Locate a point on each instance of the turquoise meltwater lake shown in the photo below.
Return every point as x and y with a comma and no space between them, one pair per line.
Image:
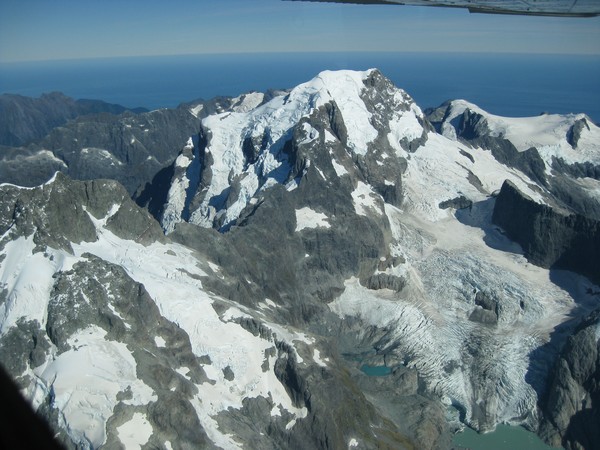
375,371
505,437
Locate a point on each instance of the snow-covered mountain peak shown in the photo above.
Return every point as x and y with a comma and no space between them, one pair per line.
245,150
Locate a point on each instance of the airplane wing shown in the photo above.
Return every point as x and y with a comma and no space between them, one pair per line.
558,8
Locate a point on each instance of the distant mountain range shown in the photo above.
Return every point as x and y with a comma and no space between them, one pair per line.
328,266
25,119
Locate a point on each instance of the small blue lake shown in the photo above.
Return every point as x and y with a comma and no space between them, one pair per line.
375,371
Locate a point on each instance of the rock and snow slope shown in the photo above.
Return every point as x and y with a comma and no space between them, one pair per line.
129,346
306,231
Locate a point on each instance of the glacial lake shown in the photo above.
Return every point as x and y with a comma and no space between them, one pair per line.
375,371
503,438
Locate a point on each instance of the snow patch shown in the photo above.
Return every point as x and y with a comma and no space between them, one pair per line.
247,102
317,358
136,432
309,218
196,110
86,405
26,277
339,169
102,153
330,137
365,200
311,133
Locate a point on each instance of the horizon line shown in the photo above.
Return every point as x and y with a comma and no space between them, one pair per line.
292,52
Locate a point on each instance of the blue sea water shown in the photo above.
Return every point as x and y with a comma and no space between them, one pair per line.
504,84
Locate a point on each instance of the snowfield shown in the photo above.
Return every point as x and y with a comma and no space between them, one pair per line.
546,132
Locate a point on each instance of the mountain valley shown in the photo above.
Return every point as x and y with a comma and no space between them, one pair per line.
225,274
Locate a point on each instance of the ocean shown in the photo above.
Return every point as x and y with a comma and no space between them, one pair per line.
504,84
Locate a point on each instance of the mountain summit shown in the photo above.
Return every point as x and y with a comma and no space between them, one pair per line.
298,243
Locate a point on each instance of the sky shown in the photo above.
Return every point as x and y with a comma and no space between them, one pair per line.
33,30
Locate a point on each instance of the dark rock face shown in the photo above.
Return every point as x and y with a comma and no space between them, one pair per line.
571,413
488,308
21,427
400,394
574,133
550,238
25,339
461,202
472,126
24,119
385,281
58,213
576,170
568,194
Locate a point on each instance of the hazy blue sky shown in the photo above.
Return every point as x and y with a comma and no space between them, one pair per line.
64,29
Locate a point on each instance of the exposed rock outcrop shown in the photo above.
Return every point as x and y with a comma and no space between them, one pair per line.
571,405
550,238
63,211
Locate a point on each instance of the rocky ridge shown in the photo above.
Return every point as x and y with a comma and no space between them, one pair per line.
573,395
90,140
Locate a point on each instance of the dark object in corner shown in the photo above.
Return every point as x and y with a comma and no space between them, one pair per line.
20,427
